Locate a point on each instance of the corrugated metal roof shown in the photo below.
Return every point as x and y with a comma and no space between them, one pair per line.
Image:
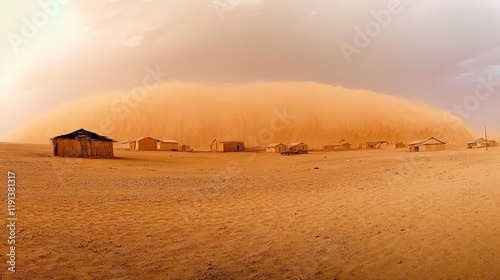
229,141
274,145
428,141
169,141
144,137
296,144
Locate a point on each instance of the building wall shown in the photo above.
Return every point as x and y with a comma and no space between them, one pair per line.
67,148
400,146
84,148
372,145
428,148
232,147
228,147
132,146
215,147
185,148
146,144
168,146
100,149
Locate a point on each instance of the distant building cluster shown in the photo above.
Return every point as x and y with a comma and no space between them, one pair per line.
152,144
481,143
87,144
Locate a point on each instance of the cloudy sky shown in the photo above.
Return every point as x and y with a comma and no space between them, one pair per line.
445,53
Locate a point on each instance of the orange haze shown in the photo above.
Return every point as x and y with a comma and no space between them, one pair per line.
259,113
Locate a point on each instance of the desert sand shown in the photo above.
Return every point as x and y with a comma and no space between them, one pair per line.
384,214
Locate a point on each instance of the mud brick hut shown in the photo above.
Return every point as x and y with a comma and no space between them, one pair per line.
168,145
84,144
225,146
427,145
185,148
276,148
298,147
342,146
400,145
143,144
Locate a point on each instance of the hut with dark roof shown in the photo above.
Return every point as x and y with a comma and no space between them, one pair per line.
84,144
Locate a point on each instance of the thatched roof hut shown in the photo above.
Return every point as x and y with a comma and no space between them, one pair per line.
83,143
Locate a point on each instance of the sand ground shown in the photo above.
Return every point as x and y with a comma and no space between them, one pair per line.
384,214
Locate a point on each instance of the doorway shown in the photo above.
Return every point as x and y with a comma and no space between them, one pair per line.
84,146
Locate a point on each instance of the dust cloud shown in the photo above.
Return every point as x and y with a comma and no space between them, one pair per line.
258,113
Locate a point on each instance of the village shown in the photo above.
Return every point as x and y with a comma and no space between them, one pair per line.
86,144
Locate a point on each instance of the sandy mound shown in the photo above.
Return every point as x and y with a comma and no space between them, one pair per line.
258,113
